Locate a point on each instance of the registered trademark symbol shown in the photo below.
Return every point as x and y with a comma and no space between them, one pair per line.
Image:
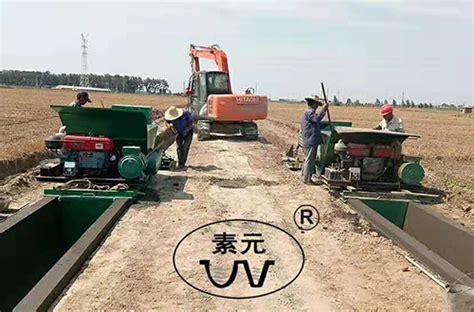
306,217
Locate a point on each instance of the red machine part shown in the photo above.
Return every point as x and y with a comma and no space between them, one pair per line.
231,107
360,150
85,143
383,151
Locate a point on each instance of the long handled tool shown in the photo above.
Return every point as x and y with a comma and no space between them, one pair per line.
322,164
327,110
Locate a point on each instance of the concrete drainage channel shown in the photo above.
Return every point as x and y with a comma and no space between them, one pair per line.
441,246
48,242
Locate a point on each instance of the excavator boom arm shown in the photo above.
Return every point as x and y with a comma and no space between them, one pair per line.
212,53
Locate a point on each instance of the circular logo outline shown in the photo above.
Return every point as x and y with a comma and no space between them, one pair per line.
243,297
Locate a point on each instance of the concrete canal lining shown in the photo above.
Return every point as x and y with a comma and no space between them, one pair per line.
47,242
449,262
448,239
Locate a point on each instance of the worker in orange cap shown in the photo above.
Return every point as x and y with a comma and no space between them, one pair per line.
389,122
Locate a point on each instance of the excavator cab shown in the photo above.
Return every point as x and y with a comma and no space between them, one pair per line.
205,83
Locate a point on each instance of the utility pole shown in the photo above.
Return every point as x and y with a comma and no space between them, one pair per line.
403,97
84,75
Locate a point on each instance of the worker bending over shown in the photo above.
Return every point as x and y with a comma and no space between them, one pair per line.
183,123
389,122
311,132
81,99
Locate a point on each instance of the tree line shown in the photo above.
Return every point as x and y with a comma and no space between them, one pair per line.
116,83
404,103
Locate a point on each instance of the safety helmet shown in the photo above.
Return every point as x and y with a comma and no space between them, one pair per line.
386,110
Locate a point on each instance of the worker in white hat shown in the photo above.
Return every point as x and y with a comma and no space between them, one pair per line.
311,135
183,122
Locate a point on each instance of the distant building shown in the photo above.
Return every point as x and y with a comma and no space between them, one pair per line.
77,88
290,100
466,109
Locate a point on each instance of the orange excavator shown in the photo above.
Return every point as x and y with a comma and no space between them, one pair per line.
210,96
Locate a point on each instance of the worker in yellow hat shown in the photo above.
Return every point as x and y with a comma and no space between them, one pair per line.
183,123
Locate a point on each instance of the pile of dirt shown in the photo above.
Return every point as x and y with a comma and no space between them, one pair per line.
22,164
19,182
4,203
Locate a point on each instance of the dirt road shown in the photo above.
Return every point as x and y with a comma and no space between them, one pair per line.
347,265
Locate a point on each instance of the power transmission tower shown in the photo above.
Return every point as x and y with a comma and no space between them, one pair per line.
84,74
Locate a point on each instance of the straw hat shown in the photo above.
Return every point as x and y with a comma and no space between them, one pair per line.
315,98
173,113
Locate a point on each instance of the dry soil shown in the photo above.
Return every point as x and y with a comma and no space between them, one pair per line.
347,266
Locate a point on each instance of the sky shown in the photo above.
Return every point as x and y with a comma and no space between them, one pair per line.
359,49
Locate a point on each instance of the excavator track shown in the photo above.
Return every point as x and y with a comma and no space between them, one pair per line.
203,130
249,130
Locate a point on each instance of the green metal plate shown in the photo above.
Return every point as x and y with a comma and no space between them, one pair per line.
329,138
371,136
146,110
40,235
393,210
325,124
78,213
124,127
91,193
